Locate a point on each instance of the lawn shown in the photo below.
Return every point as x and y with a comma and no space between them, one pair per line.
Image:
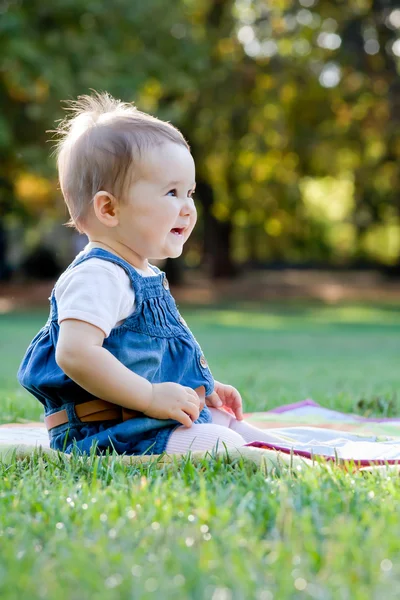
84,529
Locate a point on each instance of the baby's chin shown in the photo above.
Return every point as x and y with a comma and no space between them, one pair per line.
170,254
175,254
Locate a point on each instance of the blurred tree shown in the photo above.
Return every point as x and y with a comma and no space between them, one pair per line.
291,109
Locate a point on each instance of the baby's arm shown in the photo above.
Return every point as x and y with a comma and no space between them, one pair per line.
80,354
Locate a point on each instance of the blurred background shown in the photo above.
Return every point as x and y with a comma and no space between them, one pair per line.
292,111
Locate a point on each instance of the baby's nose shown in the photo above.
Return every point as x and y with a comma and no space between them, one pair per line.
189,207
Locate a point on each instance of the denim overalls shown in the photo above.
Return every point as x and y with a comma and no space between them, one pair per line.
154,342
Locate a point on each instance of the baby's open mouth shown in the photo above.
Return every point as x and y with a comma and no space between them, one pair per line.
177,231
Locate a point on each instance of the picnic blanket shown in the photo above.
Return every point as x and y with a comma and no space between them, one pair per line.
309,430
299,433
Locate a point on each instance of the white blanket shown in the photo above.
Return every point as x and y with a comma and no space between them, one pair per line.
306,441
309,441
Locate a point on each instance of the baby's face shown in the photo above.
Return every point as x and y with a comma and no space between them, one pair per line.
159,214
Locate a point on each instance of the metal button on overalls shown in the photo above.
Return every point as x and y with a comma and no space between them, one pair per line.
182,320
165,283
203,362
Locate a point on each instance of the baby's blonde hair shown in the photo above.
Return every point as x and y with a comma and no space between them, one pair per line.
99,143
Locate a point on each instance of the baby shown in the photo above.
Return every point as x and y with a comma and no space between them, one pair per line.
116,365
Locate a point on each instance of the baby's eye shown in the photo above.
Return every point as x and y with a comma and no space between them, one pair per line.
172,192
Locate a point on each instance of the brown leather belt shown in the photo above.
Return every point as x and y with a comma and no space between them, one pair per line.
100,410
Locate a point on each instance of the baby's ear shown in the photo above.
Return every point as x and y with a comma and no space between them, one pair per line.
105,206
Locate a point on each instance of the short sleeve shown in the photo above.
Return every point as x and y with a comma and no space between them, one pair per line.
97,292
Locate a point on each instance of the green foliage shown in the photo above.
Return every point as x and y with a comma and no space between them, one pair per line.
270,96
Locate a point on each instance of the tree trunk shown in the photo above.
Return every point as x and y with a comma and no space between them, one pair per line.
174,270
222,265
217,237
4,270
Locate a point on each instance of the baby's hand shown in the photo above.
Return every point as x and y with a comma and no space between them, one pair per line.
174,401
226,395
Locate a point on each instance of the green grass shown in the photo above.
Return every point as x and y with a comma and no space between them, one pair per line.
222,531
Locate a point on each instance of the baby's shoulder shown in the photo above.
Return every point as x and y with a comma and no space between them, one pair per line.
94,270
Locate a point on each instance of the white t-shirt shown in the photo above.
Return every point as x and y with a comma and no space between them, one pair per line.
96,291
